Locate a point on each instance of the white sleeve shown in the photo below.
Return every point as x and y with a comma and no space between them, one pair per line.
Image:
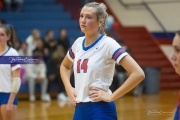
70,54
115,51
72,50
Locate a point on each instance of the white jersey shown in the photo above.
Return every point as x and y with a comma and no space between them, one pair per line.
6,71
94,65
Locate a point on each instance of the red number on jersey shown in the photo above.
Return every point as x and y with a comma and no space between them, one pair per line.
78,65
82,66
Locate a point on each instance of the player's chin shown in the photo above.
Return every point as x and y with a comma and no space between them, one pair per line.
177,70
83,29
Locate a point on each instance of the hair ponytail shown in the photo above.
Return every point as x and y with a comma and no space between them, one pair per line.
10,42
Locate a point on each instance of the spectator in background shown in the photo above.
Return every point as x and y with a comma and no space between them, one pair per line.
54,75
2,21
63,39
36,73
49,42
17,3
24,51
44,51
109,22
32,39
40,46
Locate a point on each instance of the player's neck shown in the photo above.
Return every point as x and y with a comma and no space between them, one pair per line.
91,39
3,48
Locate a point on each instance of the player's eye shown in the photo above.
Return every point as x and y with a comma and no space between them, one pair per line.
81,16
177,50
1,34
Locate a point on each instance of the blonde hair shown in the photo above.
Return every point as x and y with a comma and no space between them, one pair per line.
101,14
33,33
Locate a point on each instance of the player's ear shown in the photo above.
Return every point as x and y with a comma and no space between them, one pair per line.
8,36
101,21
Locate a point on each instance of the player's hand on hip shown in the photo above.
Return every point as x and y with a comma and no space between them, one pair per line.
9,108
72,95
97,94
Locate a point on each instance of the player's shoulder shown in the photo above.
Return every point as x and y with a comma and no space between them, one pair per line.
12,52
79,40
108,40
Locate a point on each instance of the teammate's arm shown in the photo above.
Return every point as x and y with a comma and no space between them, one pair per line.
136,75
65,72
14,90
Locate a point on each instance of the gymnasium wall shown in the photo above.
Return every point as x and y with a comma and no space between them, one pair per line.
167,13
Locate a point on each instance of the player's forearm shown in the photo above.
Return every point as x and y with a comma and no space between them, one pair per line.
16,83
65,76
129,84
11,98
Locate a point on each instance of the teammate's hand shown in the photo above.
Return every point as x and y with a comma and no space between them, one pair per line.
72,95
9,108
97,94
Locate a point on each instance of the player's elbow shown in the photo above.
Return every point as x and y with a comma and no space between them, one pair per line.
141,75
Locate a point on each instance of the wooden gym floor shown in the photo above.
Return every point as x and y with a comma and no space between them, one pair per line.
147,107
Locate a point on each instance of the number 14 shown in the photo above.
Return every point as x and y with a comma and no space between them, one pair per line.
82,66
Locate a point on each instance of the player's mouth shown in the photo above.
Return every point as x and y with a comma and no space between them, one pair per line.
83,26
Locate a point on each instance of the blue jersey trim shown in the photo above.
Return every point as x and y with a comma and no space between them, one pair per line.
87,48
115,52
6,51
71,54
119,55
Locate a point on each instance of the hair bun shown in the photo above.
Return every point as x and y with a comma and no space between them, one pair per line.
103,6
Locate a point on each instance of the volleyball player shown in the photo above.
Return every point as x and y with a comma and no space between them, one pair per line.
93,58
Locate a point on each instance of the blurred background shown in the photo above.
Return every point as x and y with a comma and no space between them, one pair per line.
144,28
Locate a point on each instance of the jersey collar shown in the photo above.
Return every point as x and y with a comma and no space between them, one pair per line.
6,51
87,48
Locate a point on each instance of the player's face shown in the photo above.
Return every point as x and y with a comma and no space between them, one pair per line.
3,36
176,53
88,20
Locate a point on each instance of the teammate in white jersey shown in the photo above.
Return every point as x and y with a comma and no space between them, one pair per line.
9,75
93,58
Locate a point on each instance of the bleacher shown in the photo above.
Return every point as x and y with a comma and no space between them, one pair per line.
41,14
147,52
